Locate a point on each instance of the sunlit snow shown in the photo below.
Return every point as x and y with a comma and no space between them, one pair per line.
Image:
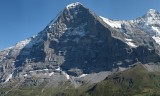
23,43
83,75
25,75
129,40
113,24
130,43
156,29
157,39
8,77
58,69
65,74
52,73
73,5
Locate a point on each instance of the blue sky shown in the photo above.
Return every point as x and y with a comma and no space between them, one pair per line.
20,19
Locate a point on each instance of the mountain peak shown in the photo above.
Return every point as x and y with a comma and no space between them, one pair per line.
72,13
152,11
73,5
150,17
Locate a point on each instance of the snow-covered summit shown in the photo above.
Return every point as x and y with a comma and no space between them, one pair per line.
152,12
73,5
149,24
150,17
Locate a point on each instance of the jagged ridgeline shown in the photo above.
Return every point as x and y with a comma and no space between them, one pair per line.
79,49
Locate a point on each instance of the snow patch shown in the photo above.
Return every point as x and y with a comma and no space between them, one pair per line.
80,31
83,75
45,69
50,26
58,69
73,5
22,44
122,69
25,75
113,24
8,77
38,70
129,40
130,43
65,74
156,29
157,39
52,73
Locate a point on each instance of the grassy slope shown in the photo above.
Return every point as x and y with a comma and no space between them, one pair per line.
133,82
136,81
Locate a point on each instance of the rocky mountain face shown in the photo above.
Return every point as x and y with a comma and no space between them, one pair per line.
78,43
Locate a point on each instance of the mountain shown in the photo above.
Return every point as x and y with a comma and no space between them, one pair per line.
148,23
79,47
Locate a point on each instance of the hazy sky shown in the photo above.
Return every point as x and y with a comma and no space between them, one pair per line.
20,19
